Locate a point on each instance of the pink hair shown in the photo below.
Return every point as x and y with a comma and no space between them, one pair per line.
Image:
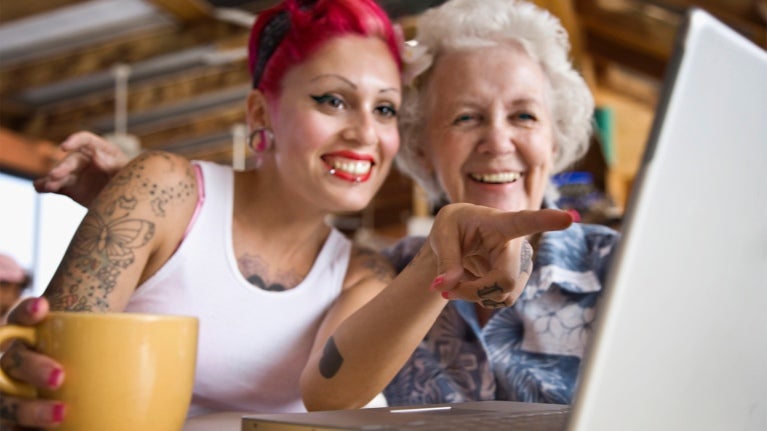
309,27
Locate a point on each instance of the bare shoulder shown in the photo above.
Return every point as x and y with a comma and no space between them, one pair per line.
159,178
368,266
157,166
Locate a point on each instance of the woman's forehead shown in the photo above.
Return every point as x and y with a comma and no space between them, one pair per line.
492,72
351,55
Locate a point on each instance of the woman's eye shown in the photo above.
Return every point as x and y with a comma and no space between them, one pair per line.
464,118
329,100
387,110
526,116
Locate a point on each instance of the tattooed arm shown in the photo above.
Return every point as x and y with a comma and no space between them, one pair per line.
473,253
129,232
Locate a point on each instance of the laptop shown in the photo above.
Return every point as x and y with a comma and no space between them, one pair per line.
680,341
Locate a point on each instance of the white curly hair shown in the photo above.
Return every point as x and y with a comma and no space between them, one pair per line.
466,24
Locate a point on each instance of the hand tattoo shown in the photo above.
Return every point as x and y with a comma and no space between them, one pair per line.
489,290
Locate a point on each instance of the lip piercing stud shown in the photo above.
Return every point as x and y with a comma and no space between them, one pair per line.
357,180
332,171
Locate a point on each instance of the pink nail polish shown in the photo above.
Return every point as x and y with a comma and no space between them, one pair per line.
54,377
34,305
57,414
438,280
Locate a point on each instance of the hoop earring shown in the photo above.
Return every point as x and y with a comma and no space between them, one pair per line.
265,139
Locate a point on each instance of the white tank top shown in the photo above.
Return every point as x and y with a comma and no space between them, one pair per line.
253,344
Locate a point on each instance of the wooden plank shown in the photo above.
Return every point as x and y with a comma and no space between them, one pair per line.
220,121
11,10
185,11
129,49
57,121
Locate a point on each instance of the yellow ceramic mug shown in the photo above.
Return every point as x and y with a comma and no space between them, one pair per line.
123,371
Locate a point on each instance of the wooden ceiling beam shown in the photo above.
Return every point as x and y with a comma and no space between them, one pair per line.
58,121
82,62
11,10
219,121
185,11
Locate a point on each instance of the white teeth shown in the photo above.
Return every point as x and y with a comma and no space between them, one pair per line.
357,167
499,177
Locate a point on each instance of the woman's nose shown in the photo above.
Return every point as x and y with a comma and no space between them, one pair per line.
498,138
362,129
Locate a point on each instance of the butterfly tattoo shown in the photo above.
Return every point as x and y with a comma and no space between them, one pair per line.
114,240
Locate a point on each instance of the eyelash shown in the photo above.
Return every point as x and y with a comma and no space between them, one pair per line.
329,99
524,116
392,110
336,102
463,118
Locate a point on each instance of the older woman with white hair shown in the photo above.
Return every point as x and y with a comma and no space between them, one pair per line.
493,109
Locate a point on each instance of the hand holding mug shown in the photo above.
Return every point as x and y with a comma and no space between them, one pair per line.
123,371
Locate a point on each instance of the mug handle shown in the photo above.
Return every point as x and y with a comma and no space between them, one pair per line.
7,384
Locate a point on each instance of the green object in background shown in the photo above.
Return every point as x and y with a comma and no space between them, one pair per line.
604,117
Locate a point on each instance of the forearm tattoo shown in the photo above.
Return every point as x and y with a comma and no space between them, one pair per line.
104,245
331,360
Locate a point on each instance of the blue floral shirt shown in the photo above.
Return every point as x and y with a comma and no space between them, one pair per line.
530,351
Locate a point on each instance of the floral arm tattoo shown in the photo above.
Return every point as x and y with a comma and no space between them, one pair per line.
105,243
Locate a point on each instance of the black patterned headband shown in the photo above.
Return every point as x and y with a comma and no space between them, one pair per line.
271,37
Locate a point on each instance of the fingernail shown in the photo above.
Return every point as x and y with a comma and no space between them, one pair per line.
54,378
57,415
438,280
575,215
34,305
446,295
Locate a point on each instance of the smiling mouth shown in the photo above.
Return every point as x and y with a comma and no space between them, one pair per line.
496,177
353,168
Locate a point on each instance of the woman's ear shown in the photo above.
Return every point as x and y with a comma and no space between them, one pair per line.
258,110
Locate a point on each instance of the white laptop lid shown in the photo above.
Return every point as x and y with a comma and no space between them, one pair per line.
681,339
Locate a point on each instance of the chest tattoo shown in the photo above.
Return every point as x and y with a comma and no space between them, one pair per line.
256,270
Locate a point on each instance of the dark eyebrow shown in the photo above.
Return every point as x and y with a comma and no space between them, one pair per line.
349,83
339,77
